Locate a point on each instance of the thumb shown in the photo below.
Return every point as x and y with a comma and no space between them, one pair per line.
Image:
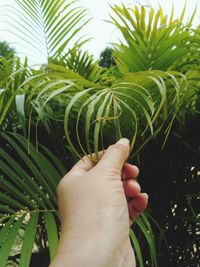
115,156
85,164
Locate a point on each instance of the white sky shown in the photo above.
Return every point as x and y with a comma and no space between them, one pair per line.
103,33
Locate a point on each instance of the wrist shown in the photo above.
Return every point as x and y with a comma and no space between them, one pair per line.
91,248
82,249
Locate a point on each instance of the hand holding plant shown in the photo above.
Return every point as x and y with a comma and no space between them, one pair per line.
95,204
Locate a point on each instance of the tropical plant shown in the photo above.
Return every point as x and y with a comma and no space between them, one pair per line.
47,27
6,68
6,51
11,102
72,107
7,55
106,58
154,40
28,198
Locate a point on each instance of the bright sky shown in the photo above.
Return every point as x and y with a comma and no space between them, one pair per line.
103,33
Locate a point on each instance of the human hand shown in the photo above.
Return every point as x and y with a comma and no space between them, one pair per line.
95,204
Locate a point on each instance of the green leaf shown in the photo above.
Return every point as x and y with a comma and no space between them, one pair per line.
33,168
67,117
28,240
20,102
152,40
149,236
10,234
71,75
98,123
137,248
57,24
52,232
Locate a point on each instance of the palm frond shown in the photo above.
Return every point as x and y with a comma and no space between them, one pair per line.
6,67
149,100
28,194
47,27
135,107
137,248
8,233
80,62
152,41
145,228
10,97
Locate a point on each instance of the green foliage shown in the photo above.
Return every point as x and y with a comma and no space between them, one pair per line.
106,58
12,100
144,225
6,68
28,197
6,51
51,27
154,41
7,55
74,107
81,63
139,98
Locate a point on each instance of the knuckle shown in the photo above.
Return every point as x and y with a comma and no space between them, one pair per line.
84,158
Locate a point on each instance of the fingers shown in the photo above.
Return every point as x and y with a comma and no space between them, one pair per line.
131,188
86,163
137,205
115,156
129,171
137,201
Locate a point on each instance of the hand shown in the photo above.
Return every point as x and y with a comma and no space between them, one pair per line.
95,204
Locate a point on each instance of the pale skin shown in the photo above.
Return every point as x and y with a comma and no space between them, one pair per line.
97,201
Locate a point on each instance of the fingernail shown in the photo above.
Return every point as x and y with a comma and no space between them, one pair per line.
124,141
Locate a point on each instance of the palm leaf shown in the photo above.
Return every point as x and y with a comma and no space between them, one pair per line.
152,41
8,235
146,229
143,224
137,248
147,100
51,232
11,98
25,198
80,62
28,240
52,27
